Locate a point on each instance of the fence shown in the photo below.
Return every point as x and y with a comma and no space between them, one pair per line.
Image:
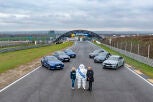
22,48
137,57
141,45
140,49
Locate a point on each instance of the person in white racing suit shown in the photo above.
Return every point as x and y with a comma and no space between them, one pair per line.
81,76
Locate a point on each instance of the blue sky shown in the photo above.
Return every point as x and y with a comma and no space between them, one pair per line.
102,15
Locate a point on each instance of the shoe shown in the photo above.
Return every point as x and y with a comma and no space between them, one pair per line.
89,90
73,88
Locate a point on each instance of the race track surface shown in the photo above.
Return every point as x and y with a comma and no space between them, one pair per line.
44,85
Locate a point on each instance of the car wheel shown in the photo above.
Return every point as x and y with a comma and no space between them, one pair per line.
123,64
117,66
42,65
48,67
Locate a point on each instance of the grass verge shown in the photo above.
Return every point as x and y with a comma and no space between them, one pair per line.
146,69
12,60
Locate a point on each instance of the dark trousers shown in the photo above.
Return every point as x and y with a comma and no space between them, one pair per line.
73,82
90,86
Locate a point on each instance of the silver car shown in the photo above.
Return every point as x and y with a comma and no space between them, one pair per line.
95,53
101,57
113,62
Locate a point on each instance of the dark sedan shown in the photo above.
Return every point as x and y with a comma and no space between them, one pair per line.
62,56
95,53
51,62
70,53
101,57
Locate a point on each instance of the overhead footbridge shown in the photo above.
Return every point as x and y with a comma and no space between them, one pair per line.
81,32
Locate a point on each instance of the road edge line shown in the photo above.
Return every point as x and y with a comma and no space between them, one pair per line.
6,87
139,76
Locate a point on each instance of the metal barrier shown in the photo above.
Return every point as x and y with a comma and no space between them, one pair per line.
22,48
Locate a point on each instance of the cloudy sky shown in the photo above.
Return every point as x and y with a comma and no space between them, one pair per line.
102,15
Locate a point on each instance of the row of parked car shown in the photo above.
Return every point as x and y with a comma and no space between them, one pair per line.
56,60
107,60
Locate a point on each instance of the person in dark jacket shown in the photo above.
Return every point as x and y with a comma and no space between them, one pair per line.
90,78
73,76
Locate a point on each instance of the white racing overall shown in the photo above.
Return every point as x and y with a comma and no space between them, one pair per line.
81,76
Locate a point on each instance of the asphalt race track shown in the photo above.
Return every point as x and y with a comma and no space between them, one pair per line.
55,86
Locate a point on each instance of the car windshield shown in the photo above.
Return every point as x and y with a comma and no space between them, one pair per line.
113,58
96,51
68,50
102,54
61,53
51,58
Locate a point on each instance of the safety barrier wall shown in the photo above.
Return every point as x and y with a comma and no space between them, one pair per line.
22,48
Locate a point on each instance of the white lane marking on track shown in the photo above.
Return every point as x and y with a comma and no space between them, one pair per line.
139,76
5,88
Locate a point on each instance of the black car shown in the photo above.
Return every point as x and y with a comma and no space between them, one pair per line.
62,56
95,53
101,57
70,53
51,62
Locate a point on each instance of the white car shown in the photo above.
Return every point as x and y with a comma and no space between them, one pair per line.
113,62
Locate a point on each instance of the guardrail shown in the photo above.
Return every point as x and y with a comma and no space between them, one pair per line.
139,58
21,48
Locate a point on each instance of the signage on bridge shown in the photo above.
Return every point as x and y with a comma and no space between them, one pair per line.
81,34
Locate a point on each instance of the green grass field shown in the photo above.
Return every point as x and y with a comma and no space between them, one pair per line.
12,60
147,70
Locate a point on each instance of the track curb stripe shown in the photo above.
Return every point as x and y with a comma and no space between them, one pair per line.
150,80
138,72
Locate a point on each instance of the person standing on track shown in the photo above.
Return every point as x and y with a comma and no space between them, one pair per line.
73,76
81,76
90,78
